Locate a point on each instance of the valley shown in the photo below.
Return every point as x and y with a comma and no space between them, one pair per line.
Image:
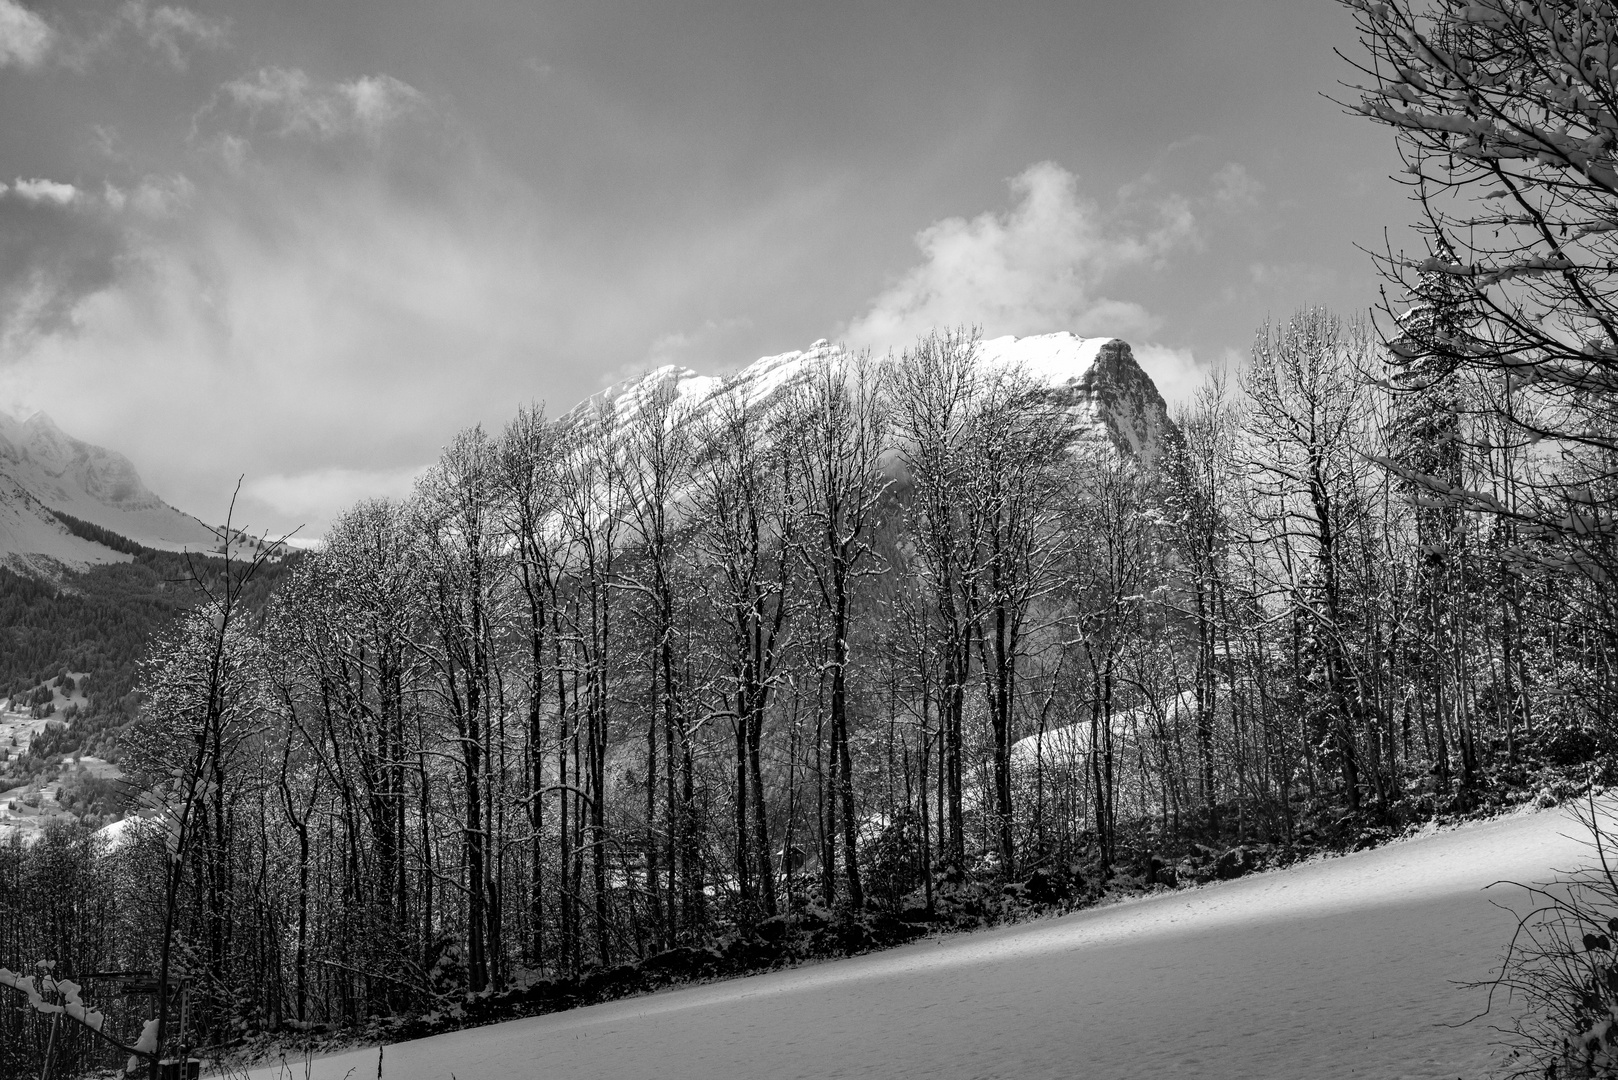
57,787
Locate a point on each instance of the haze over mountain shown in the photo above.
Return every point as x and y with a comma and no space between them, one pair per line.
45,472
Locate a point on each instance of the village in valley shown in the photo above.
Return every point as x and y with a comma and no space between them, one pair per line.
29,804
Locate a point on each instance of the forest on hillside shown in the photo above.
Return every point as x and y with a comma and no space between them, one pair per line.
99,623
898,642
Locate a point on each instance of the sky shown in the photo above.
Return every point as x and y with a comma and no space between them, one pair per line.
304,243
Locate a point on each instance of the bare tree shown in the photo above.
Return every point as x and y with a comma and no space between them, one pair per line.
461,546
655,460
935,385
593,509
529,457
1503,113
1019,439
839,436
1307,420
744,485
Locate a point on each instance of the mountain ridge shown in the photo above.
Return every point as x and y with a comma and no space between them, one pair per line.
49,480
1097,378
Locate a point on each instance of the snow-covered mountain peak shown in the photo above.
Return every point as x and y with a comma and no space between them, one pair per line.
1102,380
1056,359
64,470
45,472
1098,378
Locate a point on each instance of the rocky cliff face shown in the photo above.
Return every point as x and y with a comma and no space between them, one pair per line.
1101,382
1114,400
44,469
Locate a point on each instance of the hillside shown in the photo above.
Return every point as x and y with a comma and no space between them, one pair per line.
97,625
92,564
1353,966
56,490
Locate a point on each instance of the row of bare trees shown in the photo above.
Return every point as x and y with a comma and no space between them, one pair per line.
684,661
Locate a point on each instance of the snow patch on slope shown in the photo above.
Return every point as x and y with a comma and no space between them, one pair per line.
34,542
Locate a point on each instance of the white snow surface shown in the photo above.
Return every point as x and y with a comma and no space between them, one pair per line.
31,539
42,468
1051,358
1343,967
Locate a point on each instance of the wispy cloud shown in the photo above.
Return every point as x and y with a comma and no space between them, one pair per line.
173,31
151,196
1041,266
694,347
313,325
25,38
169,30
1234,187
296,104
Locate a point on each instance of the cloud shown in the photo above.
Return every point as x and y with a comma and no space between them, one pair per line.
1038,267
152,197
299,105
25,38
1234,188
696,347
55,248
378,100
1176,372
61,243
171,30
45,191
313,325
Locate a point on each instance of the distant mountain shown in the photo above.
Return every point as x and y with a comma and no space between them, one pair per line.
1098,379
60,496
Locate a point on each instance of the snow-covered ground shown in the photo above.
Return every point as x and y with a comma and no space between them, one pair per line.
1337,968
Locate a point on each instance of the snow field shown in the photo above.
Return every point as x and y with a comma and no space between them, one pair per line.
1344,967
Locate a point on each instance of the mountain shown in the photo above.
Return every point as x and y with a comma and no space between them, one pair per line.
1097,378
59,496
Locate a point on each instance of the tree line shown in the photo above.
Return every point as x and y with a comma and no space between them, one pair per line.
654,672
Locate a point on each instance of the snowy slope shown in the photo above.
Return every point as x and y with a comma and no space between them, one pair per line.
1335,968
1097,378
42,468
34,542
